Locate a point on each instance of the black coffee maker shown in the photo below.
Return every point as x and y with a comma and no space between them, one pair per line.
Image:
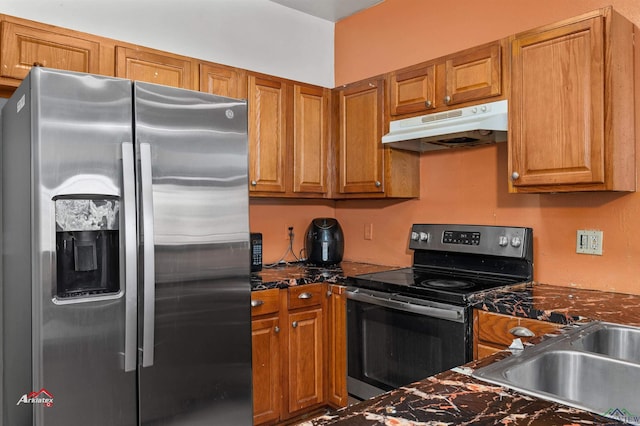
324,242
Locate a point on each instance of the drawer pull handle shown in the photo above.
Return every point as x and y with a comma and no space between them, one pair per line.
256,303
305,295
522,332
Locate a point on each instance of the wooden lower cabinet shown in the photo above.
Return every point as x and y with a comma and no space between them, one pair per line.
494,332
266,369
337,346
293,350
305,360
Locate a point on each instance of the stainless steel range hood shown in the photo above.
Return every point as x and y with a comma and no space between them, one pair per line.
464,127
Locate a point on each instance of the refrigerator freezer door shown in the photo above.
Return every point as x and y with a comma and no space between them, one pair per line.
200,371
65,138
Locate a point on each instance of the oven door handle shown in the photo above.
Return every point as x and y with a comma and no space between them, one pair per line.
431,311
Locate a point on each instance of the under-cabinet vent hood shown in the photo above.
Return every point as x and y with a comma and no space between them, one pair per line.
464,127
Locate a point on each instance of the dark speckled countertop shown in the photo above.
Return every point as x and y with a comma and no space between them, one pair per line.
283,276
454,397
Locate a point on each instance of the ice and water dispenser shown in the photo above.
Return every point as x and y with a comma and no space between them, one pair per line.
87,247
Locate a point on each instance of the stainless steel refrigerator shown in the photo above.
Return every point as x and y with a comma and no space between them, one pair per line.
125,248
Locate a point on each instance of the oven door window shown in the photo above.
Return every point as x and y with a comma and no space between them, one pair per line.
388,348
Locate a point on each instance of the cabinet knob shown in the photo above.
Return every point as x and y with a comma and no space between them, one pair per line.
521,332
254,183
256,303
294,324
447,99
428,104
329,293
515,176
378,184
276,329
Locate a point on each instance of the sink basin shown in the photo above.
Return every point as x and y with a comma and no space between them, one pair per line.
595,367
612,340
587,380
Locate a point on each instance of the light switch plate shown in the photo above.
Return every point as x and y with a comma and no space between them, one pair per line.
589,242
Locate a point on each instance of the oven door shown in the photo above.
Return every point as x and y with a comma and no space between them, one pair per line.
394,340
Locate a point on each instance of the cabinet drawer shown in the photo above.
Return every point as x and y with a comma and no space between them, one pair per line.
305,295
495,328
265,302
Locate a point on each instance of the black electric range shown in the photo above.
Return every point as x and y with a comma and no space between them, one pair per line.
407,324
453,262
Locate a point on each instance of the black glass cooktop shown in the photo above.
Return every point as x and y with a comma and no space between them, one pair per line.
454,287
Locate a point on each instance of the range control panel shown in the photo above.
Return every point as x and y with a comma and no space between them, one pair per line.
477,239
460,237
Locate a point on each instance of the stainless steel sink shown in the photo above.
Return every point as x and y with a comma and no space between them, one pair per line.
612,340
595,367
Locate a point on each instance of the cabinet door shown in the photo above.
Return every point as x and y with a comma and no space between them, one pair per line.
310,138
361,125
495,332
267,134
473,74
337,339
557,106
266,370
305,359
413,89
154,67
222,80
23,47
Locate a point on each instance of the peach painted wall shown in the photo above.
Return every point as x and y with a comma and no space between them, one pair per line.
272,217
470,186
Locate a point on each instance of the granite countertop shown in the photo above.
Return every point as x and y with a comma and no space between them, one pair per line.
454,397
283,276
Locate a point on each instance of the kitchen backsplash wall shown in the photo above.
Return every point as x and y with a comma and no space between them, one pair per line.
471,186
273,217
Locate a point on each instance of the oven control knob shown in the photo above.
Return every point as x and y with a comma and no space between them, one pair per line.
415,236
516,241
503,241
424,236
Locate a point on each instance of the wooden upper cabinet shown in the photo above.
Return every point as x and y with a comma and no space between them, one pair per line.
473,74
366,169
222,80
413,89
267,134
288,138
157,67
572,107
470,75
310,138
361,125
25,46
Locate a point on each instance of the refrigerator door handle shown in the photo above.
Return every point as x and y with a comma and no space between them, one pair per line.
149,284
130,258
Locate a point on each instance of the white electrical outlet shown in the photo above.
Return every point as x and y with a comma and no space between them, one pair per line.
589,242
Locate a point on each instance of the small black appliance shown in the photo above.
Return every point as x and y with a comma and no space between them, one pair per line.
324,242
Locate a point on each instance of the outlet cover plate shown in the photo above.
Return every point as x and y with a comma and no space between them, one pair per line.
589,242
